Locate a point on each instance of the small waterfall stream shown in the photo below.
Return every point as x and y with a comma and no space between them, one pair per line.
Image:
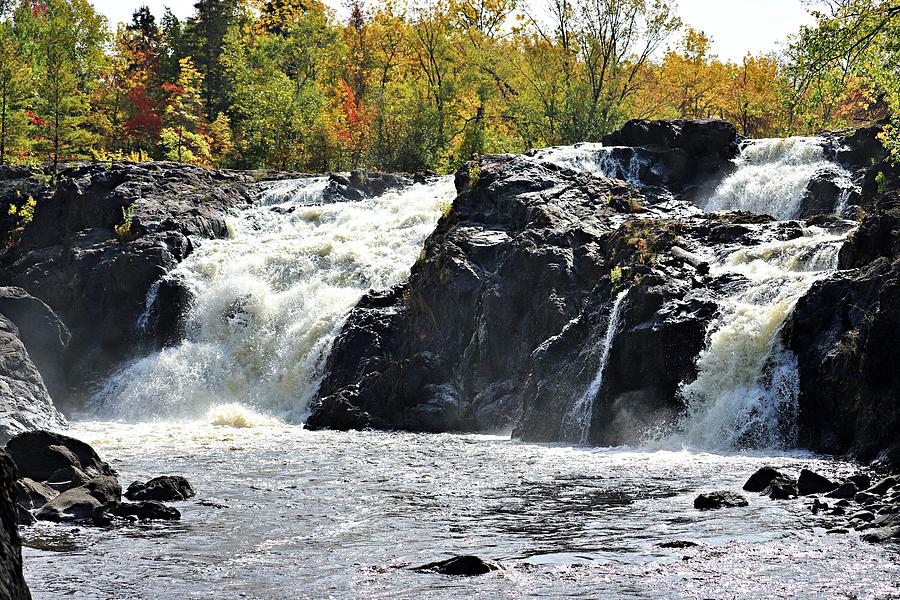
576,425
268,302
745,393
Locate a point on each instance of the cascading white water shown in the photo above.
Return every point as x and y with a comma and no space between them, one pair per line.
269,301
745,394
576,424
594,158
771,176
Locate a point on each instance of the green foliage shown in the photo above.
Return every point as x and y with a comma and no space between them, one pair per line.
24,214
124,230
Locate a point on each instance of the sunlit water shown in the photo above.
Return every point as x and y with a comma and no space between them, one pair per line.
286,513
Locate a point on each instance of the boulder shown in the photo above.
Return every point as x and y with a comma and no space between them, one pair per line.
361,184
32,495
66,478
761,479
79,503
12,582
162,489
782,488
716,500
71,258
845,490
882,487
461,566
72,505
39,454
810,482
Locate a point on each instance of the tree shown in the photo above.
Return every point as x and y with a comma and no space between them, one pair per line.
15,81
183,137
66,52
204,38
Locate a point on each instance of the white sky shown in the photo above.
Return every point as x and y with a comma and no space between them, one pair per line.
736,26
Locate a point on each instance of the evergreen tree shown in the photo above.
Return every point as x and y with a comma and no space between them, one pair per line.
204,39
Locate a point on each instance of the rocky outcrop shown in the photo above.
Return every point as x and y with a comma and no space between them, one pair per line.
12,582
361,184
843,333
679,155
161,489
97,280
501,324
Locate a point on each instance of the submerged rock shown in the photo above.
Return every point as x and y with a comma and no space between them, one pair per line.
162,489
716,500
146,510
882,487
845,490
463,566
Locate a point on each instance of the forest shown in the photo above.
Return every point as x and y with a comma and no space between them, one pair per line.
286,84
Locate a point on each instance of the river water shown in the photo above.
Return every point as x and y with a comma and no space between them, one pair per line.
286,513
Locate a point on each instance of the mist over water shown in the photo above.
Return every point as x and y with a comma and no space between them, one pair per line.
269,301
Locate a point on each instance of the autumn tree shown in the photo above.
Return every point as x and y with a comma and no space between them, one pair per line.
183,136
15,83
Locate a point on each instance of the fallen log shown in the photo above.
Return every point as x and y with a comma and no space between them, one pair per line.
695,260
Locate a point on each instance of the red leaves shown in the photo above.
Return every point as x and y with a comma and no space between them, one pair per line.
35,119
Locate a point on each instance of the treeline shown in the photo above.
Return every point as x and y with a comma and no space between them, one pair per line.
284,84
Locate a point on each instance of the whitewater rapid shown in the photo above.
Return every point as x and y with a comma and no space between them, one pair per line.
268,302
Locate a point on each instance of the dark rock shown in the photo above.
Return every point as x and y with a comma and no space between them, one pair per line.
146,510
760,480
844,490
837,530
12,582
843,332
810,482
361,184
882,534
32,495
782,488
716,500
162,489
461,566
863,516
80,503
66,478
882,487
24,516
865,498
39,454
823,194
677,544
862,480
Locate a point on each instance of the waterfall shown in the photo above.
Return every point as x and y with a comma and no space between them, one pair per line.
771,176
745,393
269,301
617,162
576,424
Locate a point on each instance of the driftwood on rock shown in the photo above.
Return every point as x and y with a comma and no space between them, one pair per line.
695,260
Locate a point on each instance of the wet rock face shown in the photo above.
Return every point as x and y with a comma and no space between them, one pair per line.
12,582
161,489
71,259
25,402
843,333
716,500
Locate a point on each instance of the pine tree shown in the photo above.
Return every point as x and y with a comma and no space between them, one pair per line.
204,39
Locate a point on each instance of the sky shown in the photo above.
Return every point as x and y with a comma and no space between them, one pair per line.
736,26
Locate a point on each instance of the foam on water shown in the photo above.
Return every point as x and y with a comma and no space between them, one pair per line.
269,301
